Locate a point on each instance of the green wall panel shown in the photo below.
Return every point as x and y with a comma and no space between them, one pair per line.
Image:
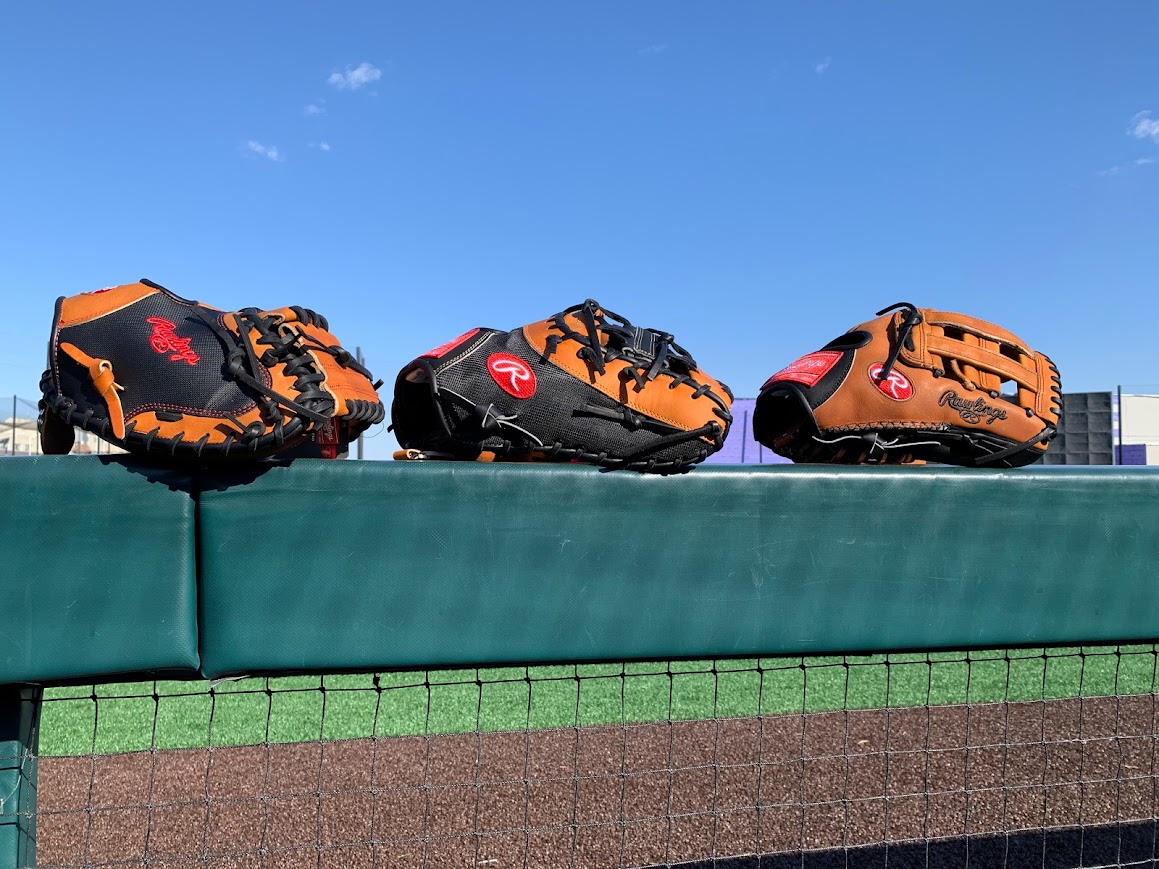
98,572
349,565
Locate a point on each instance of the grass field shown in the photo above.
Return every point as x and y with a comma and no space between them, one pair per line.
163,714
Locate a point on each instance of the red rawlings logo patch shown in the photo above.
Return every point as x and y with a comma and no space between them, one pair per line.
896,385
444,349
165,340
327,439
512,374
808,369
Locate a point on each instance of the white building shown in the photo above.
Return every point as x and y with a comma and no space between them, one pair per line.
18,437
1139,428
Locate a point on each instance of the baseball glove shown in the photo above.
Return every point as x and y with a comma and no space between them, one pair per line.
914,385
584,385
154,373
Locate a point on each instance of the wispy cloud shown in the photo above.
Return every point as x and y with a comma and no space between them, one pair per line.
1143,126
1124,167
270,152
657,48
314,109
321,146
354,78
822,66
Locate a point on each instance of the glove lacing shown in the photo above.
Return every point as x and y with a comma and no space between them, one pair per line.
608,337
341,355
911,318
242,363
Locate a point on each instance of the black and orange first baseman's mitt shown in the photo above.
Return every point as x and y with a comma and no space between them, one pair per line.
914,384
583,386
157,374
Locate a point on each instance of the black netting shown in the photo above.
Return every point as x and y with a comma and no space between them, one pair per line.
1023,758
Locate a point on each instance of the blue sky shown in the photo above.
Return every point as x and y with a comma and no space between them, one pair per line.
753,177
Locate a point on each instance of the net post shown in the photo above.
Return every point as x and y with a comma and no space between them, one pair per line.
19,731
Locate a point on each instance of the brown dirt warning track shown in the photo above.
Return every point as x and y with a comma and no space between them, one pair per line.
639,795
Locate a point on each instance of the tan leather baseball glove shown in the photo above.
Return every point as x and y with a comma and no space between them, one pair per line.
914,384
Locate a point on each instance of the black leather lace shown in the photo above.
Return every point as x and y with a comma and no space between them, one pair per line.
607,337
911,318
243,360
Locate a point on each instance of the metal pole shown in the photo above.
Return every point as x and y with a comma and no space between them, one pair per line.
358,356
14,425
19,732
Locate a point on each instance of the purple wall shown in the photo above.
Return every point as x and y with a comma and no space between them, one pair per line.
740,448
1127,454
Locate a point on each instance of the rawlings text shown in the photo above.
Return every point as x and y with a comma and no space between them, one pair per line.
971,411
165,340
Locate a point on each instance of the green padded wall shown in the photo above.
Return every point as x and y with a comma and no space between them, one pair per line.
98,569
346,565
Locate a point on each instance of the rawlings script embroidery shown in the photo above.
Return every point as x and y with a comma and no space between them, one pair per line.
164,340
971,411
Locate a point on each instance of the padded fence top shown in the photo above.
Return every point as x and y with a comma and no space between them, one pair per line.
378,565
98,570
342,566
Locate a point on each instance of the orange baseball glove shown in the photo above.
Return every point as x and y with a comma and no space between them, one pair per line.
584,385
154,373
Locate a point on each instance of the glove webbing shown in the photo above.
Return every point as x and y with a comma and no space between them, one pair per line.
969,358
662,355
341,355
242,364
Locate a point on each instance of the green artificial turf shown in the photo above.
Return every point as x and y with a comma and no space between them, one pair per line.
134,716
